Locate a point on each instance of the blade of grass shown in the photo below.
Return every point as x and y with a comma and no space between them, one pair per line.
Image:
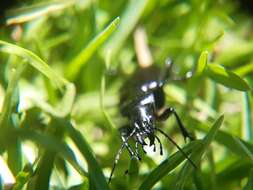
213,181
232,143
197,154
130,17
15,75
112,126
95,171
11,100
1,183
51,144
210,45
41,179
231,56
82,186
179,94
84,55
213,97
213,91
202,62
246,152
247,128
227,78
102,105
34,61
56,41
167,166
244,70
42,67
239,169
23,177
14,149
249,184
133,171
63,108
198,180
28,13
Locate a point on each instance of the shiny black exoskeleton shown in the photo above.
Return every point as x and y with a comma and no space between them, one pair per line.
142,101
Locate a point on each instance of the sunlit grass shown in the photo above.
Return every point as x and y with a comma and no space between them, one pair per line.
63,63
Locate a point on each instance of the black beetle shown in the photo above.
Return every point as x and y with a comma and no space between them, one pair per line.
142,101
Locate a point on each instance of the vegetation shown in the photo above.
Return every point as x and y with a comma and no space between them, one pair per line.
63,63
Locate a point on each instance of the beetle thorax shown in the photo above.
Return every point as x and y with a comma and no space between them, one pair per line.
143,118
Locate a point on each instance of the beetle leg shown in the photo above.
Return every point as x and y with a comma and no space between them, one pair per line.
125,144
154,149
125,139
142,146
128,147
116,161
178,147
166,114
137,151
161,147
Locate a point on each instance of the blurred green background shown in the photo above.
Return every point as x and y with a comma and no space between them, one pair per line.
62,67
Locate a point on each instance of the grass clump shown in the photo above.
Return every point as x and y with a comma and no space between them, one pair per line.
63,63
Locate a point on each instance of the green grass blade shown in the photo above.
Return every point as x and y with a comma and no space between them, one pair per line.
23,177
7,118
82,186
65,105
76,64
213,180
95,172
235,53
197,154
247,128
238,169
102,96
133,172
1,183
245,69
15,74
245,151
198,180
130,18
63,108
249,184
51,144
234,144
41,179
56,41
34,61
227,78
202,62
14,151
167,166
28,13
102,105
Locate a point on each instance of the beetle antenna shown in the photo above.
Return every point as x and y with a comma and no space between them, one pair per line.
116,161
167,70
178,147
187,76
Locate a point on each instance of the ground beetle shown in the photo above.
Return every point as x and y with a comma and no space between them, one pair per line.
142,101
